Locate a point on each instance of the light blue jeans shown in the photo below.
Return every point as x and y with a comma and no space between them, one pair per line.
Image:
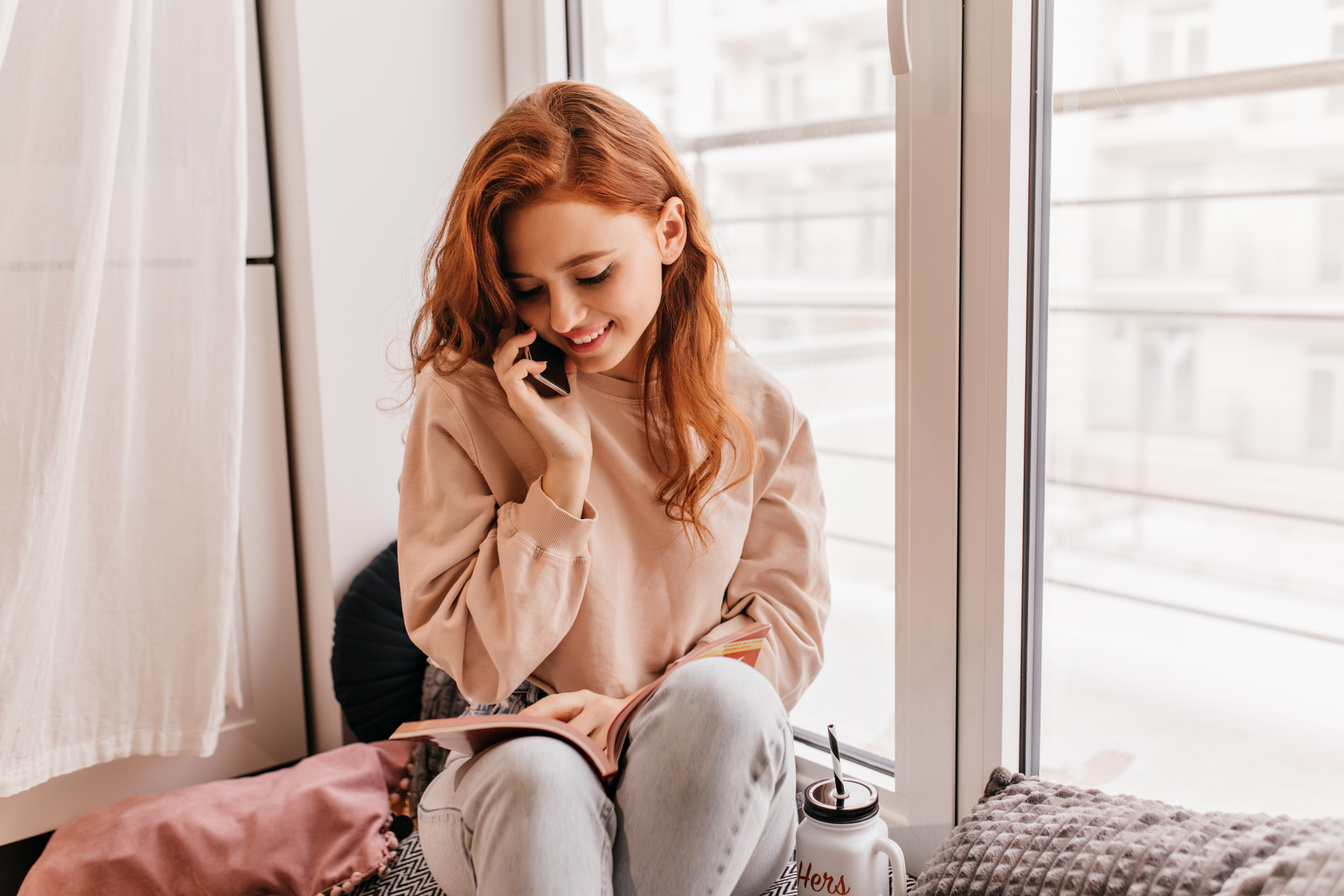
704,803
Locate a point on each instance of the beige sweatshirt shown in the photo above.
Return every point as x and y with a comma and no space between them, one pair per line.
499,585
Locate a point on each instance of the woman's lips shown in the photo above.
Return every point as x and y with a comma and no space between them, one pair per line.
595,343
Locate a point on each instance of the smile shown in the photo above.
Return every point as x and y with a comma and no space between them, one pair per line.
590,337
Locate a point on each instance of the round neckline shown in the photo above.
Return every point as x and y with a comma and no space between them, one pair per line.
611,387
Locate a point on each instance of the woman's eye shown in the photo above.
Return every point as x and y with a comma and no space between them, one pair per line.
593,281
526,293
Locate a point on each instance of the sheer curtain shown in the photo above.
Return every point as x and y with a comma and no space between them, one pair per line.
122,215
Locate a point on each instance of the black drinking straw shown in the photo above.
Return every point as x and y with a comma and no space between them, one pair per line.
835,765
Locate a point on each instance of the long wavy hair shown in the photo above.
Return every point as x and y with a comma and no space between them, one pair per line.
574,140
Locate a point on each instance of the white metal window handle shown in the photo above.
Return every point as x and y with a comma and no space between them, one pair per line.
898,36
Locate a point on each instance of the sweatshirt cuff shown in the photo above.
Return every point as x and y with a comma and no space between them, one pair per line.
541,521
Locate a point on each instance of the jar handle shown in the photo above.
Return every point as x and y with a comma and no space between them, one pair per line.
897,859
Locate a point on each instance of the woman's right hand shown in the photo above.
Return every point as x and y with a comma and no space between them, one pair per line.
559,423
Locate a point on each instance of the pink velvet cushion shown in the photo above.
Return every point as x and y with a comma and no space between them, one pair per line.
301,830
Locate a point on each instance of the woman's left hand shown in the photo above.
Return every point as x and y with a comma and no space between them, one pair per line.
587,711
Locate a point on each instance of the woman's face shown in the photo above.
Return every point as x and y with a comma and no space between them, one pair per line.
589,279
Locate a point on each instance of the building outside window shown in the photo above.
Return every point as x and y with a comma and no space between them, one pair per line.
1193,604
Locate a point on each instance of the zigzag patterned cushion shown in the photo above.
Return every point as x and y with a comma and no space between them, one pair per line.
406,875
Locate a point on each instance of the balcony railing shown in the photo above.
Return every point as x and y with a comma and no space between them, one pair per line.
1301,76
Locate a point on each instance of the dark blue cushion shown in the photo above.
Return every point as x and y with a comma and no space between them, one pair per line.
377,671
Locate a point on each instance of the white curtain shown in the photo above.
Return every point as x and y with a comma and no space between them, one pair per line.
122,215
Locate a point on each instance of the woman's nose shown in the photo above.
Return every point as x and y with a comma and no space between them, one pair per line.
567,310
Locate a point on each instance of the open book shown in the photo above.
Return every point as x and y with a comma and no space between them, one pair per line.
470,735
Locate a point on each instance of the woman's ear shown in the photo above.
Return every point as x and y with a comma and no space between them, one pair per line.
671,229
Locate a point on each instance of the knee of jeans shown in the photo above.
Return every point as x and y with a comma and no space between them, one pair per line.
438,793
531,774
444,839
721,692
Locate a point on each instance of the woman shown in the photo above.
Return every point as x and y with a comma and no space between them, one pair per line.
559,552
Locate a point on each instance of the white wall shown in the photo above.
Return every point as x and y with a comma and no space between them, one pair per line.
372,110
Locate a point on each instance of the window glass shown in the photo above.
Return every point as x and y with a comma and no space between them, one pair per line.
783,112
1193,602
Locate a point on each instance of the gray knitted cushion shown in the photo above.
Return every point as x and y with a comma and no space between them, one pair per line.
1028,836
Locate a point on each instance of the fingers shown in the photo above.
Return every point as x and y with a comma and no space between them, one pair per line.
587,711
595,715
558,706
509,345
510,368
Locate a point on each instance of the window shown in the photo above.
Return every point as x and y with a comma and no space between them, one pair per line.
1167,380
1178,43
804,223
1335,95
1325,407
876,86
785,91
1173,227
1193,541
1332,236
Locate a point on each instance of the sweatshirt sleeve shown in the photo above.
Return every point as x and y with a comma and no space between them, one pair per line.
488,591
781,577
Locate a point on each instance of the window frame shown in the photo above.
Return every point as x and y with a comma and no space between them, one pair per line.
1004,268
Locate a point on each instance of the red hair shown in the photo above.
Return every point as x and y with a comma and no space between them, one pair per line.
580,141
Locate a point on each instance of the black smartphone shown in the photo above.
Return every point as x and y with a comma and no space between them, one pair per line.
553,378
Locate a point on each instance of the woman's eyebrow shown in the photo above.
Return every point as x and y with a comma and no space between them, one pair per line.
572,263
